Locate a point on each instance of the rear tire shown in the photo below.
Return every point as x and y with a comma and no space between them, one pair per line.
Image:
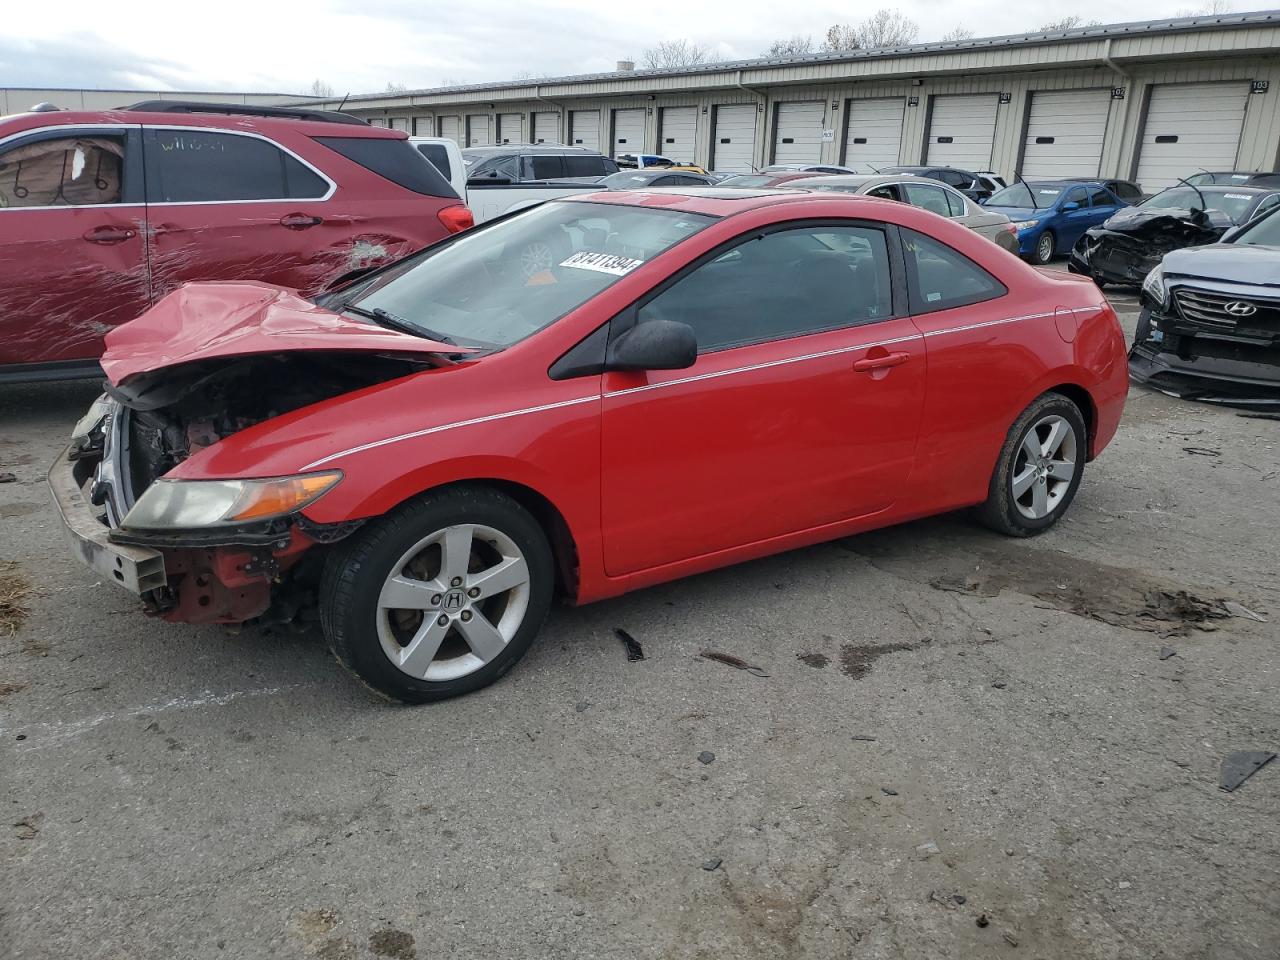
440,597
1038,470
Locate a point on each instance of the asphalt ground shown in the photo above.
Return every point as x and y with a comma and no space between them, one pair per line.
965,746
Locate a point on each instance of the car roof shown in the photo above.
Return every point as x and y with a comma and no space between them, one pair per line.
859,179
43,120
717,201
530,148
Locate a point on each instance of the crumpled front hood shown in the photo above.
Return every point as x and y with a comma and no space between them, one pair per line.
1138,219
203,321
1230,262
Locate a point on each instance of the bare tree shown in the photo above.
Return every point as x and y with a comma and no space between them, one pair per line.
675,53
957,33
319,88
393,87
1213,8
1067,23
884,28
796,46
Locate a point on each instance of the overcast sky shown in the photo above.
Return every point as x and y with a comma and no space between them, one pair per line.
282,46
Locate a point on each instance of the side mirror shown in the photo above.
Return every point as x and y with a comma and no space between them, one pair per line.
1070,205
654,345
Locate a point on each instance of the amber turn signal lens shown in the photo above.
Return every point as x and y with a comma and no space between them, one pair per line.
270,498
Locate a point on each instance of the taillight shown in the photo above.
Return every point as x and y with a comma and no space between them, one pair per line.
456,218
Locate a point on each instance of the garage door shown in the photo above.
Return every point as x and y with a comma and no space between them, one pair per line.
677,127
511,128
961,131
733,138
424,126
449,128
873,132
1065,129
399,123
628,131
797,132
478,130
584,128
1190,127
546,128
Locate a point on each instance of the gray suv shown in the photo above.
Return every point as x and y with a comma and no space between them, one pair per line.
1210,322
522,162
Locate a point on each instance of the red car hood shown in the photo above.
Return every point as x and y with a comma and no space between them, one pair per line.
203,321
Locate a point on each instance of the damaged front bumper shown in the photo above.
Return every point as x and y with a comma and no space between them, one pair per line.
140,570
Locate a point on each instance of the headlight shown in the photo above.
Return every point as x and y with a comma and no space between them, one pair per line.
191,504
1025,224
1154,287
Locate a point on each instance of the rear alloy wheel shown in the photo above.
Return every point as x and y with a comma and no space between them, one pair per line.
1044,248
441,597
1039,469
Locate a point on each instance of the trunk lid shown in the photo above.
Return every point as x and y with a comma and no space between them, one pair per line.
206,321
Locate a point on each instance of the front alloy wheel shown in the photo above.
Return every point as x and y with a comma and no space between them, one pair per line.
1044,247
440,597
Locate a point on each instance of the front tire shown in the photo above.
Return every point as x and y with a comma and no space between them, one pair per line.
1045,246
440,597
1038,470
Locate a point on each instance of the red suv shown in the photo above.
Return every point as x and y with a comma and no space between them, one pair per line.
102,214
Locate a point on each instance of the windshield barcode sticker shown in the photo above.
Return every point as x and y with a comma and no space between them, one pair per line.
602,263
1236,196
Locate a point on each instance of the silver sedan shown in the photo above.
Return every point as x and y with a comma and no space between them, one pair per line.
920,192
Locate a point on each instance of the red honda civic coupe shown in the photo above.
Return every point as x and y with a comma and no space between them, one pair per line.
591,396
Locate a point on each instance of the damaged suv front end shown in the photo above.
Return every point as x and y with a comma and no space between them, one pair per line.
1210,322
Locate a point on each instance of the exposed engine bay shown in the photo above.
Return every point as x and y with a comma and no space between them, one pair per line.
1130,244
152,422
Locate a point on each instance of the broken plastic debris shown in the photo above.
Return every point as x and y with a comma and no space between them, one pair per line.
1240,610
1241,765
634,650
712,864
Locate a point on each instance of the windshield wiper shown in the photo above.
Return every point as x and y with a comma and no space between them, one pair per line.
388,319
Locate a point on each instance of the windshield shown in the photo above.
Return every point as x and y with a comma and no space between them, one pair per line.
1263,232
497,285
1020,195
627,178
1235,205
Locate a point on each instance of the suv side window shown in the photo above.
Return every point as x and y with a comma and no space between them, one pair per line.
952,177
939,278
587,166
195,166
438,155
64,172
783,284
544,166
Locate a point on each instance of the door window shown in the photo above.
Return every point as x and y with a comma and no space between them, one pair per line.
1075,195
1100,197
194,166
438,155
544,166
939,277
933,199
66,172
783,284
887,192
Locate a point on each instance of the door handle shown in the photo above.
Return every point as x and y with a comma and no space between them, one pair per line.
299,221
109,235
880,363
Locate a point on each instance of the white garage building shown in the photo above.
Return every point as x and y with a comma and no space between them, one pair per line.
1148,101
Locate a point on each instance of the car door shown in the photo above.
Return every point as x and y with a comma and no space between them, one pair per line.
801,410
72,248
238,206
1071,223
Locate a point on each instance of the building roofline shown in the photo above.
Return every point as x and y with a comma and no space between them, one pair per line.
1106,31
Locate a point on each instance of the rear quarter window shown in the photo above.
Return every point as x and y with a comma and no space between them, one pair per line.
939,278
393,160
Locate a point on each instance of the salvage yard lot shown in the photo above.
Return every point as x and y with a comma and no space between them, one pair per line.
964,746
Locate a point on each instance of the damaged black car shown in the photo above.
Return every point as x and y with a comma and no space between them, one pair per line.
1210,322
1129,245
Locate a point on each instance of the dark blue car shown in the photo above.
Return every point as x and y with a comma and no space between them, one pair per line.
1050,215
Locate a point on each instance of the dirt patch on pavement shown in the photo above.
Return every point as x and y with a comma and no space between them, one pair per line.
856,660
13,598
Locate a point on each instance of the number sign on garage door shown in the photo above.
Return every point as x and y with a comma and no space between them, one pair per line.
511,128
628,131
584,128
546,127
1065,130
961,131
733,137
478,130
677,127
797,132
1190,127
449,129
873,132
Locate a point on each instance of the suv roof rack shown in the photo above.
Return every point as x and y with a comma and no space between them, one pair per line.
242,109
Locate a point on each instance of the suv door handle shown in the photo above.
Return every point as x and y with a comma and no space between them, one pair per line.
109,234
299,221
879,363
